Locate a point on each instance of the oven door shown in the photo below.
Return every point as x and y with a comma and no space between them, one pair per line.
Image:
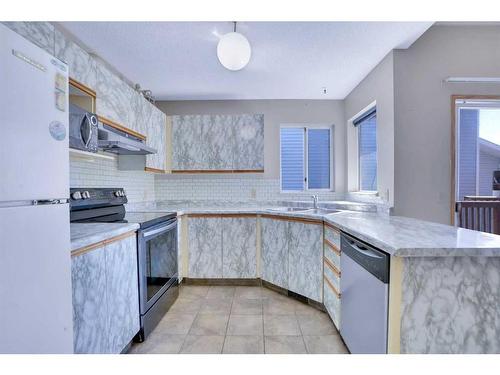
157,247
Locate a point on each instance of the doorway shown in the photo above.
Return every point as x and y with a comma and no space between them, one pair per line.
476,163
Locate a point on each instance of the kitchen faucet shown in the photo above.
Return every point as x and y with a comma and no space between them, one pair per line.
315,200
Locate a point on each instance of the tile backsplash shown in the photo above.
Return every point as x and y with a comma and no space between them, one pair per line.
139,185
226,187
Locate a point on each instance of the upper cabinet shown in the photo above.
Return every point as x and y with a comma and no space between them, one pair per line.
218,143
115,98
82,67
156,137
39,33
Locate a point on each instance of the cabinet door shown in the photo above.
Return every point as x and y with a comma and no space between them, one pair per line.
123,293
156,137
205,247
249,142
81,66
239,235
274,251
305,259
115,98
90,309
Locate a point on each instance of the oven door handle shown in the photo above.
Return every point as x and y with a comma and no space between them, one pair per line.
159,230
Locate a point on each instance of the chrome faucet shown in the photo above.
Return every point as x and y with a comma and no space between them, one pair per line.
315,200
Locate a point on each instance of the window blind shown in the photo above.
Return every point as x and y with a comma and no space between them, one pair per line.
292,158
318,158
367,148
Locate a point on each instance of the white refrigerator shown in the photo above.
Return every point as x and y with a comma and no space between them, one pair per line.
35,261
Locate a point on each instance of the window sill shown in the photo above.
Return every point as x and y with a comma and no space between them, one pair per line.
370,193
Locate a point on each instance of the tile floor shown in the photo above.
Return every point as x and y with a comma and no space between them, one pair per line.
241,320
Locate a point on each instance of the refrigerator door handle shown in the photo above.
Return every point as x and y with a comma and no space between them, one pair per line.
41,202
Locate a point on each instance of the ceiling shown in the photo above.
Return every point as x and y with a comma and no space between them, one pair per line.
290,60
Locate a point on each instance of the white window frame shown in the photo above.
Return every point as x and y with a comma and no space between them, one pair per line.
305,185
359,190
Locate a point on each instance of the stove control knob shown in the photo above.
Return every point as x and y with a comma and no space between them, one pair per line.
117,193
122,193
86,195
76,195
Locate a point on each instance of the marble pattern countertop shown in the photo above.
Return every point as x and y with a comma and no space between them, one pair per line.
396,235
90,233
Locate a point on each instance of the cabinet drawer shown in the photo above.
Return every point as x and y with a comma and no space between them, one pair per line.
332,236
332,301
332,254
332,274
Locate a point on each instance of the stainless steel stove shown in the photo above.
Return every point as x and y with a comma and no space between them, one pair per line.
156,247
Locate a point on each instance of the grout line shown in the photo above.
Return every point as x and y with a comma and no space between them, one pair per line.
227,324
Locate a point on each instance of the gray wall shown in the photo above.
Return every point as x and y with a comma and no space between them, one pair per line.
377,86
422,159
276,112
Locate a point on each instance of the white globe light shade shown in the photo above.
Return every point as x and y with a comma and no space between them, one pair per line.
234,51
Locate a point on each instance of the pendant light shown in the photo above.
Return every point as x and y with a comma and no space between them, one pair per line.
233,50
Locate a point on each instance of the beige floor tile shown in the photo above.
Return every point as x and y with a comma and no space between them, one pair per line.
284,345
216,292
305,309
216,306
269,293
158,343
202,345
243,345
281,325
240,325
316,325
330,344
175,323
247,307
278,306
186,305
209,324
193,291
248,292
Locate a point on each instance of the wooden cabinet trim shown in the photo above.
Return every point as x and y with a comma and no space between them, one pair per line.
332,267
330,285
291,218
154,170
82,87
221,215
330,226
335,249
218,171
102,243
122,128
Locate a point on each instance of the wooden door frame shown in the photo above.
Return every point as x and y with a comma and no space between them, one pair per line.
454,98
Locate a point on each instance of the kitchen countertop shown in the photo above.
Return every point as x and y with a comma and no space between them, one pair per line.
90,233
396,235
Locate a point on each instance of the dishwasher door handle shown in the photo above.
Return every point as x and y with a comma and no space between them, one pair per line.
364,250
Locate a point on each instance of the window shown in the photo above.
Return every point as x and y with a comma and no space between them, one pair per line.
306,158
367,150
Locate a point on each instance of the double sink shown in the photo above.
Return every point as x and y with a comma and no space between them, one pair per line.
318,211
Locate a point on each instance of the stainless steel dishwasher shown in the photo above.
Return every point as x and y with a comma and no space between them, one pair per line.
365,294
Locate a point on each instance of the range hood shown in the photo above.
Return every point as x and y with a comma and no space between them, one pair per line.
121,143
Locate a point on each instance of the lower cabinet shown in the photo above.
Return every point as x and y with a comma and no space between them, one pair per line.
332,274
205,247
122,292
305,259
274,251
239,241
222,247
292,255
105,297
